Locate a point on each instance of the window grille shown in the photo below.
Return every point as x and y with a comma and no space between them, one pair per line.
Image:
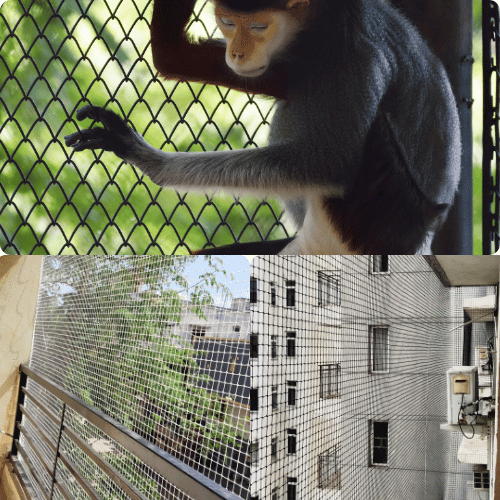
55,202
329,381
390,406
380,443
117,333
380,349
329,469
328,289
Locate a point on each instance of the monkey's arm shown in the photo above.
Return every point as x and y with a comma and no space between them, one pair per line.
281,169
177,57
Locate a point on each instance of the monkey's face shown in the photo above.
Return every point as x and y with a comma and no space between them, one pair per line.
253,39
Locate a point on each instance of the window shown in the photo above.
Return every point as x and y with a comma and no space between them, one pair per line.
481,477
253,290
380,264
274,346
274,397
273,294
290,293
380,349
254,453
328,289
292,440
198,331
329,469
254,345
380,433
290,344
254,399
329,381
291,488
274,494
292,388
274,448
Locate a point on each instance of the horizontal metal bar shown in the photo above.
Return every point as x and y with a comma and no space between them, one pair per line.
111,471
42,433
29,438
27,461
22,474
183,477
23,484
89,489
42,407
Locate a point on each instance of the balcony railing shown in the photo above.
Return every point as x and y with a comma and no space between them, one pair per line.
189,482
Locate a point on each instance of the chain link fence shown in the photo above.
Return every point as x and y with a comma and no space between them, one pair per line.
57,56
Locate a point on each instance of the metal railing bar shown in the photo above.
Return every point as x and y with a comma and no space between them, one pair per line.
29,438
64,492
25,485
56,454
46,438
185,478
27,461
89,489
111,471
40,405
20,401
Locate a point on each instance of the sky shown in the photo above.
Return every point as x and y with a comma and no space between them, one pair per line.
237,265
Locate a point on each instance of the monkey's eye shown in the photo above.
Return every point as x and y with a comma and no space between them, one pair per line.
226,21
259,27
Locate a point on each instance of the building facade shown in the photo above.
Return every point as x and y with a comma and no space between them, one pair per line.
348,389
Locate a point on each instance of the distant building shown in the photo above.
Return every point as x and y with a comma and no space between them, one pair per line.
348,389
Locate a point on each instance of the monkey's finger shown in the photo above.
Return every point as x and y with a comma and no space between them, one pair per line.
83,137
91,144
110,119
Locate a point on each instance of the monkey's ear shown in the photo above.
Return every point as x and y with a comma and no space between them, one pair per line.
294,3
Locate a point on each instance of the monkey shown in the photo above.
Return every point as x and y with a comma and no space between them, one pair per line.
364,147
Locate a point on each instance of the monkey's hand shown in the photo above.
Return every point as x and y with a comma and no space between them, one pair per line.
117,137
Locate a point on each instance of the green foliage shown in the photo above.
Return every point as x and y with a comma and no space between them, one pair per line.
57,56
121,361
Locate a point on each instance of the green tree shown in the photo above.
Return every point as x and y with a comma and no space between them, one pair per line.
115,312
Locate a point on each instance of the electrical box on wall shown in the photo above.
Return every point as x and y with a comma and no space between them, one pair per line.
462,393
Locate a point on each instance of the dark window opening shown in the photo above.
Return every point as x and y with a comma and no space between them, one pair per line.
290,293
292,440
290,344
254,345
254,399
380,443
292,388
380,264
273,294
253,290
